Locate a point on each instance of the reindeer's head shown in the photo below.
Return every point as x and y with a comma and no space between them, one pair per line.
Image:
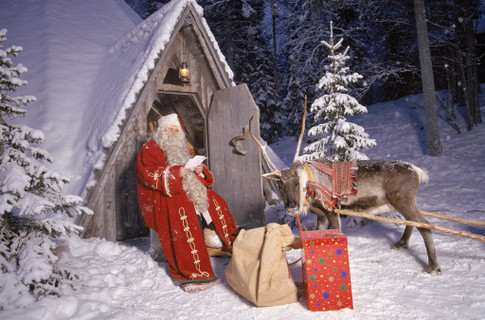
291,189
291,181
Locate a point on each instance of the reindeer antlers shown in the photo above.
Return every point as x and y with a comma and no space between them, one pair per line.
300,139
265,155
263,150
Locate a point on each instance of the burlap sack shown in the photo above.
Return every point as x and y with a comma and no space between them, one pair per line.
258,269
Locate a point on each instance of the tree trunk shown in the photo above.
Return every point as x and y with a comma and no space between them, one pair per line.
471,67
460,83
2,146
275,53
433,139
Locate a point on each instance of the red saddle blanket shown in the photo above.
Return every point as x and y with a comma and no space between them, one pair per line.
344,179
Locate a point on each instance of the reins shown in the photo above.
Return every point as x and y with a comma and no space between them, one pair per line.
420,224
469,235
440,216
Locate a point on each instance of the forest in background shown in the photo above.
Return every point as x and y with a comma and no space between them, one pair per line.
274,46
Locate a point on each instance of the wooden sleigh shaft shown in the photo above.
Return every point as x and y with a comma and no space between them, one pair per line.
464,221
421,225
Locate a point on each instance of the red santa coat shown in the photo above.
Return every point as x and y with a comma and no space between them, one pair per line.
168,210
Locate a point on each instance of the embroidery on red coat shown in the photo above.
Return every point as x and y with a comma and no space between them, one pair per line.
193,250
155,177
223,220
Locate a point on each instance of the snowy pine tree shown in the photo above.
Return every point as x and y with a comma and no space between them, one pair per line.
34,214
340,140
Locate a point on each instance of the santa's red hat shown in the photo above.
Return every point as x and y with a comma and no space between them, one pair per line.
170,120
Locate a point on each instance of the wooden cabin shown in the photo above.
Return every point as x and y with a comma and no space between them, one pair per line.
214,112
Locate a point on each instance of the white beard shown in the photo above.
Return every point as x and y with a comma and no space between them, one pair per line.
177,153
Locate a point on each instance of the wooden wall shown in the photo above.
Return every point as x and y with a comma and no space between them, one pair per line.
237,175
114,198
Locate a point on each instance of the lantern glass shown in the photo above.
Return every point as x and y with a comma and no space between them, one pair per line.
184,73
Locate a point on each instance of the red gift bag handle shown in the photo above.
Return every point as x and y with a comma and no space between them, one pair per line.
299,224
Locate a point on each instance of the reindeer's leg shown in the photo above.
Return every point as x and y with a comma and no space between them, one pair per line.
321,217
334,220
403,243
433,266
408,208
332,217
322,222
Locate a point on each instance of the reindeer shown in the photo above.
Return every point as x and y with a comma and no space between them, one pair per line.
382,186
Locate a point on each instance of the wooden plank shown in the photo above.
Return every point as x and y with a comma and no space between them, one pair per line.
129,219
238,177
119,195
128,222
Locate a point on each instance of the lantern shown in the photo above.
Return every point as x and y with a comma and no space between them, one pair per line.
184,73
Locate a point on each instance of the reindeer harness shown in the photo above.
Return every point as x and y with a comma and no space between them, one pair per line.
344,180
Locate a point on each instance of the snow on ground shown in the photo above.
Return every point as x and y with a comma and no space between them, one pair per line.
121,281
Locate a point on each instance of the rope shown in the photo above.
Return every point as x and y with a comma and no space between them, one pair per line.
413,224
440,216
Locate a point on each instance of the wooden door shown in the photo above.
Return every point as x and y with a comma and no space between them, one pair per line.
237,176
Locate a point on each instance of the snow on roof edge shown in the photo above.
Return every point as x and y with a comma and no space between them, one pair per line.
176,8
141,48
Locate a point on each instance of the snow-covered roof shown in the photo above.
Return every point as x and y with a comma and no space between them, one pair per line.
87,61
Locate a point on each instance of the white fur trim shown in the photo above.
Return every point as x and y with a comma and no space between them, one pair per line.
206,215
302,174
170,120
166,175
198,287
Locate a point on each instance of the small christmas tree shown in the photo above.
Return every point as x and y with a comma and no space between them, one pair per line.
339,140
34,214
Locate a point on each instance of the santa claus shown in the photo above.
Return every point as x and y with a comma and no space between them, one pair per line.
177,203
